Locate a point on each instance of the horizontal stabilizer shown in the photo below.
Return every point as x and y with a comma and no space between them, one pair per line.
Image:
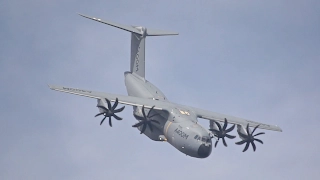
133,29
155,32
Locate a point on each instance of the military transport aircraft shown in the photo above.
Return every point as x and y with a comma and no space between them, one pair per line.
160,119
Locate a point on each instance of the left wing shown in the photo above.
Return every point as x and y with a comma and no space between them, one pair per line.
127,100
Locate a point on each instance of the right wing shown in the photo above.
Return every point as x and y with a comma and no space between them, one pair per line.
233,120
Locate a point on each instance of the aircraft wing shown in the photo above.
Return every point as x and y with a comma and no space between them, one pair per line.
233,120
162,105
122,99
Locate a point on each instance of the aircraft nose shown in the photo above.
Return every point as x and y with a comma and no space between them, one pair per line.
204,151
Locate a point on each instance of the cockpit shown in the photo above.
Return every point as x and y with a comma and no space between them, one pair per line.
204,139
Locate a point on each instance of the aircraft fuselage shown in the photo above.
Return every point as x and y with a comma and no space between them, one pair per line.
179,127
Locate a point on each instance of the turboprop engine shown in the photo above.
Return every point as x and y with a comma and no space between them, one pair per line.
242,130
108,110
221,132
150,122
247,137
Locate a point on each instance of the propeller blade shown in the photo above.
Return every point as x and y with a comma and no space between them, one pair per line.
230,136
215,145
230,129
224,142
246,148
99,114
248,131
225,124
253,146
138,117
109,104
117,117
150,126
155,121
143,128
219,126
254,129
258,140
103,120
150,111
110,123
258,134
138,124
241,142
143,113
115,104
155,115
119,110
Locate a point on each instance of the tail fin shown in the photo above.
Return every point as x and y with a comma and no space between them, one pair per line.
138,36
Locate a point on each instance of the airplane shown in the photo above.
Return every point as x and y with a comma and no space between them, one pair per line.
163,120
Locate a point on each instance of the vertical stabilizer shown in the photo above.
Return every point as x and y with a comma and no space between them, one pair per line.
138,38
137,61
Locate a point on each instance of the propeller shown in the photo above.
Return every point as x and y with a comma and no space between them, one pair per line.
147,120
110,111
222,132
249,138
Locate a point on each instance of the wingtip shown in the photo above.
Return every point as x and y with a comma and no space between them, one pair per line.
83,15
51,86
279,128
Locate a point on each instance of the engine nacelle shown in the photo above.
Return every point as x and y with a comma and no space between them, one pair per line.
137,112
243,130
101,102
213,125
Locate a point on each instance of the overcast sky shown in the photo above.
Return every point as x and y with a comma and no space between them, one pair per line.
253,59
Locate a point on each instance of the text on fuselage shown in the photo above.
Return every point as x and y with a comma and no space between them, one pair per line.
181,133
137,59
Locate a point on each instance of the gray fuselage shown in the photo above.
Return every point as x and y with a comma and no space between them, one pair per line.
179,127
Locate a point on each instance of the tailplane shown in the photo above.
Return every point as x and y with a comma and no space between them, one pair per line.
138,36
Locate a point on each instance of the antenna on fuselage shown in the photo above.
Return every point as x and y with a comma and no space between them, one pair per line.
138,36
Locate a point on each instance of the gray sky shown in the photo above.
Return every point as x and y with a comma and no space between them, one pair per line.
253,59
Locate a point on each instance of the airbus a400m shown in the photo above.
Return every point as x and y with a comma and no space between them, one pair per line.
162,120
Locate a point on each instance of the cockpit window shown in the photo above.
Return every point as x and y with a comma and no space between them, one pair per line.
205,139
196,137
